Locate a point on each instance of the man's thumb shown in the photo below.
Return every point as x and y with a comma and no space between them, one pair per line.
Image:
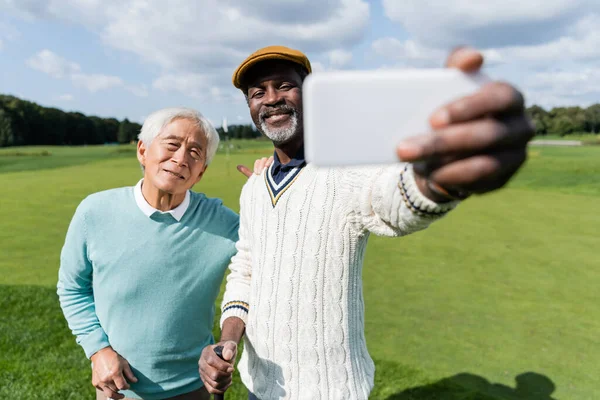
229,350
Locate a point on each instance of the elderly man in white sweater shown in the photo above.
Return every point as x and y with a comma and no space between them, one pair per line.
295,286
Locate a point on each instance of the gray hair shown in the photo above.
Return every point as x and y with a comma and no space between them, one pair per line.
158,120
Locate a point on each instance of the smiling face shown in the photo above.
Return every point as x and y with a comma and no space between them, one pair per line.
275,101
176,159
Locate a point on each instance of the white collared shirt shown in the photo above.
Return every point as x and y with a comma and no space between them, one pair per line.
148,210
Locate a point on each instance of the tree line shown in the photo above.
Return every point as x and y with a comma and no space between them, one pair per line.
566,120
24,123
239,132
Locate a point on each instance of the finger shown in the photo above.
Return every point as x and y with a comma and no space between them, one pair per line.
465,58
269,161
481,173
492,98
229,350
213,390
129,373
220,384
111,385
218,371
111,392
483,135
260,165
244,170
209,384
120,382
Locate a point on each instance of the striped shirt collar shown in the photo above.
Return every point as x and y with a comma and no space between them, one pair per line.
148,210
297,161
280,177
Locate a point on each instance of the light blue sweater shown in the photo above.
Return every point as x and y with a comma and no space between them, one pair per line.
146,285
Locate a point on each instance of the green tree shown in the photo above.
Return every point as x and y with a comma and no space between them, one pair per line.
123,134
111,129
563,125
592,118
80,129
6,130
128,131
134,131
54,126
540,119
99,136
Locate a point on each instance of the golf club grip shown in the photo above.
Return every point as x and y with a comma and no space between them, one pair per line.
219,352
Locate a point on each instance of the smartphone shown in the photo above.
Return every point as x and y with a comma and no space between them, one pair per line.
359,117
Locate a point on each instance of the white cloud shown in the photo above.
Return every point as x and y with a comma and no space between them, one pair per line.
549,48
492,57
408,52
211,87
65,97
579,82
192,36
339,58
53,65
317,66
8,33
485,23
289,11
582,44
197,45
194,46
220,34
137,90
510,31
58,67
562,88
96,82
190,84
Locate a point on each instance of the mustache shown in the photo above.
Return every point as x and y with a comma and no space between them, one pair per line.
284,108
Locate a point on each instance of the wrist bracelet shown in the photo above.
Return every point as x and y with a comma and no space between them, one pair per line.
443,192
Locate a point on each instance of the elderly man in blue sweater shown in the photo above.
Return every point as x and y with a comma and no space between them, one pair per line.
141,266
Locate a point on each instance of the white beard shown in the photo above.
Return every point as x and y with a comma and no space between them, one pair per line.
281,135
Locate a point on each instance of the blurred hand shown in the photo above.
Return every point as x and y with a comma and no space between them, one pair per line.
259,166
109,372
217,374
478,143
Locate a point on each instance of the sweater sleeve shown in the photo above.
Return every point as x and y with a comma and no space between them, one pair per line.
386,200
236,299
75,290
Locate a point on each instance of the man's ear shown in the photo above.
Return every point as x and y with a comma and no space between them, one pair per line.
141,152
200,174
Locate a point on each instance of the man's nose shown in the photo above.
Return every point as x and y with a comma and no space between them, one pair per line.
180,157
273,97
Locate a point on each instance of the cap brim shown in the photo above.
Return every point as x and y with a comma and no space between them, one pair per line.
238,77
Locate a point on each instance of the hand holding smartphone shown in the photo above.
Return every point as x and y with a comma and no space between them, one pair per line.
354,118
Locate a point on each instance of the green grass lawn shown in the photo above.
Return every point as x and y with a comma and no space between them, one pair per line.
495,301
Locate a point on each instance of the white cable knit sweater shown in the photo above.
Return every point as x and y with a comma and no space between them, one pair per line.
296,279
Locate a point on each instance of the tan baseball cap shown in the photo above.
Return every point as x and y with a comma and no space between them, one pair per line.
269,53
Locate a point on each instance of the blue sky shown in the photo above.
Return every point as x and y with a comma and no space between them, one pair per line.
127,58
